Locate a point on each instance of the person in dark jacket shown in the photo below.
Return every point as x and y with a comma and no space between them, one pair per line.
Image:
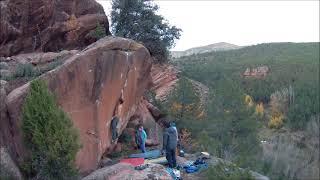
170,144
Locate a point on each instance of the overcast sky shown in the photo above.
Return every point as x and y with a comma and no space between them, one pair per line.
239,22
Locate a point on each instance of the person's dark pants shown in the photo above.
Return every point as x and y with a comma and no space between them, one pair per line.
171,158
142,147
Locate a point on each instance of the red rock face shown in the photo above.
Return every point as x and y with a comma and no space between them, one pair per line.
144,116
113,72
47,25
164,78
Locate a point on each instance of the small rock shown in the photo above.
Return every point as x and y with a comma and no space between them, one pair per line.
182,160
3,84
110,171
258,176
4,65
151,176
4,59
105,162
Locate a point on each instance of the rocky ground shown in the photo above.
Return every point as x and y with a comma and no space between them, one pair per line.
157,171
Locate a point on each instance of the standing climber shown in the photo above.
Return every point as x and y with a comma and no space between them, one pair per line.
173,124
141,137
170,144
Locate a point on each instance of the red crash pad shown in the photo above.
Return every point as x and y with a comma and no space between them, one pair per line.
133,161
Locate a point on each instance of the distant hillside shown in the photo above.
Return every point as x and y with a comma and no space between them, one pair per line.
221,46
262,108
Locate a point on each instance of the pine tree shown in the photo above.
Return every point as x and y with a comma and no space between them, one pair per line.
137,20
184,102
49,135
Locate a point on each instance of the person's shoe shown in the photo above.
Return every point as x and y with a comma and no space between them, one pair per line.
141,167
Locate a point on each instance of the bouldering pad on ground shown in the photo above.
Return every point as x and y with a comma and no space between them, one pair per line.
133,161
160,160
147,155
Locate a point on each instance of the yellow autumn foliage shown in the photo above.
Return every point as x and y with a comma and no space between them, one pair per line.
259,109
276,120
176,107
72,23
248,100
189,108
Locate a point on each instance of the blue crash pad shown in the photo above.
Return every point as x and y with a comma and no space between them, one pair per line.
147,155
199,164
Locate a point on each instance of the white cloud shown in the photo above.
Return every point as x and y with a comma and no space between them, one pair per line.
240,22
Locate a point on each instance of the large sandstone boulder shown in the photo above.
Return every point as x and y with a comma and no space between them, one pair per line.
113,72
47,25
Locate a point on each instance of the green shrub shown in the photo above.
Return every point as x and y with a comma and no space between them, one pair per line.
99,32
49,135
5,177
305,106
26,70
183,103
140,21
3,66
151,96
52,65
223,171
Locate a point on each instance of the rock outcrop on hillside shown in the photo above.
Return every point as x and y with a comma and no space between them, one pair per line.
164,79
202,90
47,25
257,72
112,73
